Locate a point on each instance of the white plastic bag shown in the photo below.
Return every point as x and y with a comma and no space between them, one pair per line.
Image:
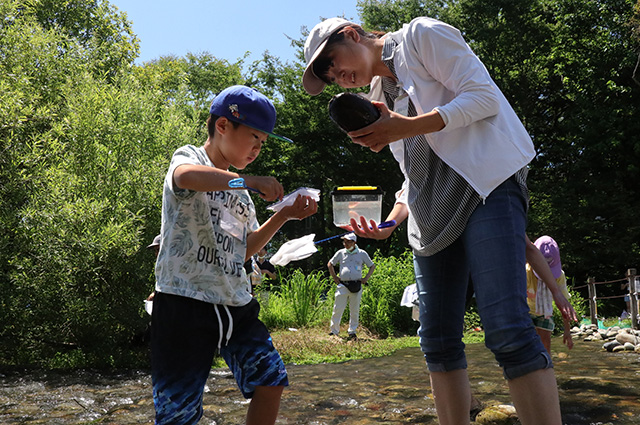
290,198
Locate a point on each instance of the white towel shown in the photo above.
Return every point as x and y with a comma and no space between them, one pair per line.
295,249
410,296
544,300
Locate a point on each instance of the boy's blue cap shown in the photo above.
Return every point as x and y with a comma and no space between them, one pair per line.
246,106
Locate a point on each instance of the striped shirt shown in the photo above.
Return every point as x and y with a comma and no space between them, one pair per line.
440,201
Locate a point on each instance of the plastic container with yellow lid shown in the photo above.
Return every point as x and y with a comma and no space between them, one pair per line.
355,201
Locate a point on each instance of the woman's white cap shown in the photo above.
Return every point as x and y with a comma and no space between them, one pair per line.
315,44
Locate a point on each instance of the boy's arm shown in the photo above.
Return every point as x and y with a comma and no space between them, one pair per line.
202,178
302,207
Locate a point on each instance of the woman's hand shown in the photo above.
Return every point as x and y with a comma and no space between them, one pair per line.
565,307
388,128
392,126
369,230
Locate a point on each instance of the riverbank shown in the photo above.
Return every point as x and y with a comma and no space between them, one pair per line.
314,345
613,338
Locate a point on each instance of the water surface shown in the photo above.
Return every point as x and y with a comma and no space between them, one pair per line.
596,387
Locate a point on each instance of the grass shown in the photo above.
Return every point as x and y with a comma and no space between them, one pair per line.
314,345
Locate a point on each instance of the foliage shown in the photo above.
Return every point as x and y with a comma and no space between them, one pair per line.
298,303
299,300
82,170
380,309
313,345
472,317
616,321
307,300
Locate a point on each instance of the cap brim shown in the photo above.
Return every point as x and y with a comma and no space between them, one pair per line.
277,136
311,83
556,271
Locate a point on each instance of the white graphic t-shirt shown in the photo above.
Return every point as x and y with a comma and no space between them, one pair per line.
204,238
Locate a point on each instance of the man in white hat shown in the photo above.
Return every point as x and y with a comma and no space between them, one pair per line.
351,260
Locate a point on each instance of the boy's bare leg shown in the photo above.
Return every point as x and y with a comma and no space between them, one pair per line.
535,396
264,406
450,391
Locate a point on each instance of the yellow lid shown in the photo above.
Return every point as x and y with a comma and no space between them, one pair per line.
357,188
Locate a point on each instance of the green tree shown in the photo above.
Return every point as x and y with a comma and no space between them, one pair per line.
93,26
84,158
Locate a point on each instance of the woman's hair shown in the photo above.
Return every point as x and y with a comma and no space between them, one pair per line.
211,124
323,62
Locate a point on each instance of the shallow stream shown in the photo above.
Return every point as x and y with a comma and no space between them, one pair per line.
596,387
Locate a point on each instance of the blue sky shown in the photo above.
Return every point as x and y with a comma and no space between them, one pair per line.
227,29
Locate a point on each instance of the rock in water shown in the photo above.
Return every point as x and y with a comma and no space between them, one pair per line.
351,111
625,337
502,414
609,346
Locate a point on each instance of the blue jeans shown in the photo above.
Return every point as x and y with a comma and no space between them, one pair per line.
490,252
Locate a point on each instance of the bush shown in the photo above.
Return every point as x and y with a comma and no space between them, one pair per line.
380,310
298,302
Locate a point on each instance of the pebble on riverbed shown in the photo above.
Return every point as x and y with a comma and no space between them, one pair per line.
614,338
502,414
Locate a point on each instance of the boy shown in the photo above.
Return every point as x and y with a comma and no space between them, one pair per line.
202,303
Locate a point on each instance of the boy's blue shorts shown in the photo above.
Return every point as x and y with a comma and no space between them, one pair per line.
186,334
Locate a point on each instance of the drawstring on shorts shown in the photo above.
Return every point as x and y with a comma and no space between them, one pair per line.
221,326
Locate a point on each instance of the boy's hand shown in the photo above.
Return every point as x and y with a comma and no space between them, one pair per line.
271,188
302,207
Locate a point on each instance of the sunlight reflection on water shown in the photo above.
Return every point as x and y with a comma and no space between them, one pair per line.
595,387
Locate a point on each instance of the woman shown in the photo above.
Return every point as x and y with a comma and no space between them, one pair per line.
464,154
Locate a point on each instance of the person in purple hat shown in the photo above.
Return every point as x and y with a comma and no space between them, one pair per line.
540,293
202,304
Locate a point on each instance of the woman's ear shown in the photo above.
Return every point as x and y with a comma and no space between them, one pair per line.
350,33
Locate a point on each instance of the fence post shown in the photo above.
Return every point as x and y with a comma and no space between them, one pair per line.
593,308
633,298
